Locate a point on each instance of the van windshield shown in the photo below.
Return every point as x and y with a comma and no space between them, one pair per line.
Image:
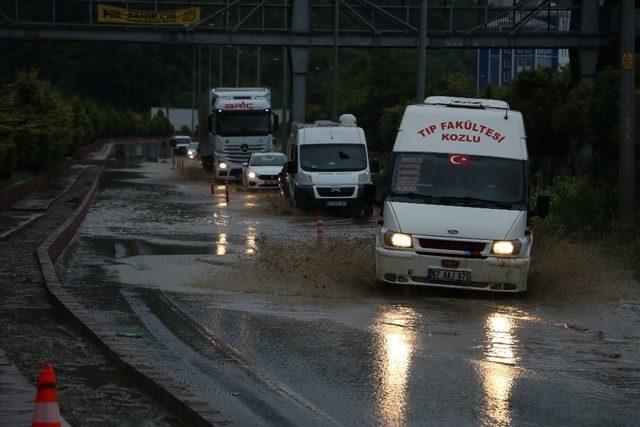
333,157
459,179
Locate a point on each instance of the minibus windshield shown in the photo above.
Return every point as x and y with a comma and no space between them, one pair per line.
333,157
459,179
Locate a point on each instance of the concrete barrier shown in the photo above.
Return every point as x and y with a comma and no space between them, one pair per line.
184,404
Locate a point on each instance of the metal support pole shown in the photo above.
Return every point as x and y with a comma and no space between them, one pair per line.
336,29
627,149
237,65
285,97
220,66
300,23
422,53
209,70
199,70
193,93
259,67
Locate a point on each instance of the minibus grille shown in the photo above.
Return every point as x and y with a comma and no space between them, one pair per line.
453,245
336,191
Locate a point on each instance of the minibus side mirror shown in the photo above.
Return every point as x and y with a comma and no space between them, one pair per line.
212,127
374,166
543,206
292,166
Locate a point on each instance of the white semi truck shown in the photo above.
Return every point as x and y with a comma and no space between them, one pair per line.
234,123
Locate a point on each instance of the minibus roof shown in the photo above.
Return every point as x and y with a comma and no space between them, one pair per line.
449,128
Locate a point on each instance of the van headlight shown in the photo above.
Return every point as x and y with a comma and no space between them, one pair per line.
223,165
397,240
506,247
364,178
303,179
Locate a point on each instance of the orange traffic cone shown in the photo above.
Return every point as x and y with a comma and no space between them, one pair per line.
47,410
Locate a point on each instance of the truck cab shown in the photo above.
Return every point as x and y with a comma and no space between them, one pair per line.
329,167
456,211
236,122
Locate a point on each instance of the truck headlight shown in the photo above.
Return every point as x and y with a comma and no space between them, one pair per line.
506,247
222,165
251,175
397,240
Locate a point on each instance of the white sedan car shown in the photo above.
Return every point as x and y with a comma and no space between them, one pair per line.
262,170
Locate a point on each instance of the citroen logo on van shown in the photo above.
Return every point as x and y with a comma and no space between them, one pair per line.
335,189
452,231
244,148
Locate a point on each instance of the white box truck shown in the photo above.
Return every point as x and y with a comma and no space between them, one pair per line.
456,211
329,167
233,124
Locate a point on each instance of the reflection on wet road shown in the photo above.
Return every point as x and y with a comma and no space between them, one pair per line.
246,309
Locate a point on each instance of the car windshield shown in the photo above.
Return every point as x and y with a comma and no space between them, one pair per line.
268,160
247,123
458,179
193,146
333,157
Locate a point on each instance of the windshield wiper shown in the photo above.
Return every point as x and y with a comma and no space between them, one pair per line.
477,201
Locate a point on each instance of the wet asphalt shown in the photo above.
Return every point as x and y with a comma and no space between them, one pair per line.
248,311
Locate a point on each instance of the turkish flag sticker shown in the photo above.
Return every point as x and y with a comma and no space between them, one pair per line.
459,159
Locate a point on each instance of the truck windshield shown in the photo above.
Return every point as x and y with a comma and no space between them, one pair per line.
459,179
268,160
246,123
333,157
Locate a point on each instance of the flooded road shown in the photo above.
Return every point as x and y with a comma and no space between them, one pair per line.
240,303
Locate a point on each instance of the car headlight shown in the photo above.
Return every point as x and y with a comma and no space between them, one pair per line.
190,152
397,240
222,165
506,247
251,175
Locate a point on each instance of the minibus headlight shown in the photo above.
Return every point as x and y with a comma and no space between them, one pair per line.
251,175
222,165
508,247
397,240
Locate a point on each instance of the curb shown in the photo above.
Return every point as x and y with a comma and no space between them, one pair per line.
185,405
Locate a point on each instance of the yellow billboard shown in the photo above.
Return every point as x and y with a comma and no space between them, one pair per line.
120,15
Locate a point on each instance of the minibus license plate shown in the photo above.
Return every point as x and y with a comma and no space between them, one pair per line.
449,275
336,203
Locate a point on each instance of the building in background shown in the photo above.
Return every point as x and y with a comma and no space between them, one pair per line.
497,67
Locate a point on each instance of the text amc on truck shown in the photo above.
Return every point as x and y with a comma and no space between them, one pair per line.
234,123
456,211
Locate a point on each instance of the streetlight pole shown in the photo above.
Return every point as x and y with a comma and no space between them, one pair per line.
334,97
422,53
627,149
